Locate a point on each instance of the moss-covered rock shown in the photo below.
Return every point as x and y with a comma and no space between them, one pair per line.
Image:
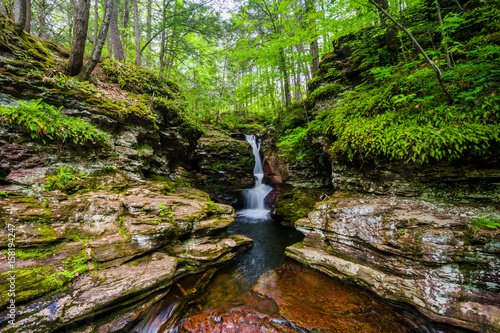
224,161
297,204
104,248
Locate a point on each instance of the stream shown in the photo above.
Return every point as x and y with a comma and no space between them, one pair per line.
260,291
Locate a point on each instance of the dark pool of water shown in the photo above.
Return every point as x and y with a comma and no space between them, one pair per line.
268,252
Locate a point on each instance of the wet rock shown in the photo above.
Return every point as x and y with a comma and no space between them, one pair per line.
312,171
224,161
411,251
465,182
292,206
83,256
292,298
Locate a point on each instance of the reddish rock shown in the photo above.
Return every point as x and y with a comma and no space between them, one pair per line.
293,298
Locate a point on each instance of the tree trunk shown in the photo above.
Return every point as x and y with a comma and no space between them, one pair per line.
303,66
443,35
27,25
163,37
310,8
174,42
286,79
126,20
96,20
75,61
20,9
42,11
96,52
148,31
115,33
137,31
420,49
110,47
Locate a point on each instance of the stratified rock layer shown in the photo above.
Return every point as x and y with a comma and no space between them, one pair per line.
410,251
85,259
225,161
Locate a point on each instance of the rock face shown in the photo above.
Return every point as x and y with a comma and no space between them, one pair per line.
105,251
225,161
411,251
294,205
461,182
225,166
310,172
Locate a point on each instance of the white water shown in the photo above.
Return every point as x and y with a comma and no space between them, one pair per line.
254,198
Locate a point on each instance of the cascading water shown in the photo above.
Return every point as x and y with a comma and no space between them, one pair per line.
254,198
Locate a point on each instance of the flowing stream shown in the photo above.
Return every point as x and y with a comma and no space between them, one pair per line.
269,242
291,283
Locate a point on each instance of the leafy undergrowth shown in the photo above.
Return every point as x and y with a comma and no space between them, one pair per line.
46,122
399,111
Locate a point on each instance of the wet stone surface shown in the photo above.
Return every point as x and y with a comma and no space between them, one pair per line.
293,298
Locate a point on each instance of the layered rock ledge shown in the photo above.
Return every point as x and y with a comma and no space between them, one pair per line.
408,250
110,252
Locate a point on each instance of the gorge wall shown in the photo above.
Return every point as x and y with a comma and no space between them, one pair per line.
411,233
102,229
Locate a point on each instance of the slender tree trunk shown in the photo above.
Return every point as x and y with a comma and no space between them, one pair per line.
126,20
174,42
307,73
137,31
110,47
284,72
163,37
148,32
42,11
439,75
75,61
96,20
96,52
27,25
115,34
310,8
20,8
443,35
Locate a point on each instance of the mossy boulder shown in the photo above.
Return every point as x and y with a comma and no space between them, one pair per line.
224,161
297,204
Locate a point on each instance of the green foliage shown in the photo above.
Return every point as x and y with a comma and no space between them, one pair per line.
65,179
164,211
168,187
4,195
490,222
31,254
45,121
110,168
399,113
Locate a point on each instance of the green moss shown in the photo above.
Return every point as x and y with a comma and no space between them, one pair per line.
326,58
329,91
35,282
61,50
314,83
484,223
295,205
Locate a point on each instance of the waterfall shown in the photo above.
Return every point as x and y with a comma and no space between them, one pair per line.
254,198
